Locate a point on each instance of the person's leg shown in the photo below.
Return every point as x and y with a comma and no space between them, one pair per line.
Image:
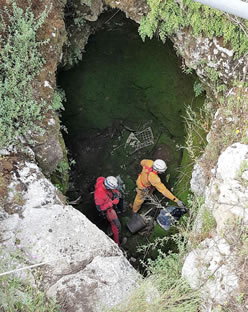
115,225
119,207
139,199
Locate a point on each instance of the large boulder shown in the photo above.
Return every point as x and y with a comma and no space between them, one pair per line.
82,265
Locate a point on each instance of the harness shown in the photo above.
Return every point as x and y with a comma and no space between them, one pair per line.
149,170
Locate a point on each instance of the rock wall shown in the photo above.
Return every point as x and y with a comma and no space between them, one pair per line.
218,265
84,269
49,152
81,271
198,52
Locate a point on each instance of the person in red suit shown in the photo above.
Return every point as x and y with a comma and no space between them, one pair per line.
107,198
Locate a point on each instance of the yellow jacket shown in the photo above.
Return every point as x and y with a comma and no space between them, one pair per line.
149,177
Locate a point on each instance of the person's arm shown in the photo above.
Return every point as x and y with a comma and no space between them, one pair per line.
156,182
103,201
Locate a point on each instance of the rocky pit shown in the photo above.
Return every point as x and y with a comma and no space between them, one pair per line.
35,217
121,87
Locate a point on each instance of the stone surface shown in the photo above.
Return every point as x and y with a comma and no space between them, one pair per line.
102,283
91,9
215,263
211,268
82,264
48,149
198,181
214,53
227,194
133,9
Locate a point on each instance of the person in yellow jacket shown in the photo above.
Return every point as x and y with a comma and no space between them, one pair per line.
148,179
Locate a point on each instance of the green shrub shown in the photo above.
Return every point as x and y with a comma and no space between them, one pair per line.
58,98
20,63
166,17
198,88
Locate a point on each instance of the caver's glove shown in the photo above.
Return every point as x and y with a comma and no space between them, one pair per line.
115,201
180,204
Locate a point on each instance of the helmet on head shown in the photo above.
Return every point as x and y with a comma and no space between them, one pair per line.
111,183
159,165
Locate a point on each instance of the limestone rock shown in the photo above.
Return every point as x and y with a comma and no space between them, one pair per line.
216,262
90,9
227,194
81,261
48,149
198,180
211,267
101,284
133,9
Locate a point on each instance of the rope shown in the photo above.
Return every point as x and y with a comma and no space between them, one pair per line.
28,267
111,17
69,258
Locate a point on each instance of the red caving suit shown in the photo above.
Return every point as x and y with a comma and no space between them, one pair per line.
104,200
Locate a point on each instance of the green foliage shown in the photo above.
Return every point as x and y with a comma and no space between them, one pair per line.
58,99
208,222
167,17
75,27
16,293
60,177
164,289
79,21
198,88
197,126
20,63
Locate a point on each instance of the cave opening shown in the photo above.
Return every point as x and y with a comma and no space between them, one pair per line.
125,91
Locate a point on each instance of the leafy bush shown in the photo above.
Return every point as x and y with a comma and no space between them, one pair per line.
167,17
20,63
58,98
198,88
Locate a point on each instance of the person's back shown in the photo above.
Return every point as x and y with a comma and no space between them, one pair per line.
147,173
149,178
106,197
103,196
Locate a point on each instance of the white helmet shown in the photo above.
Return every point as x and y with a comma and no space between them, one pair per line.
111,183
159,165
